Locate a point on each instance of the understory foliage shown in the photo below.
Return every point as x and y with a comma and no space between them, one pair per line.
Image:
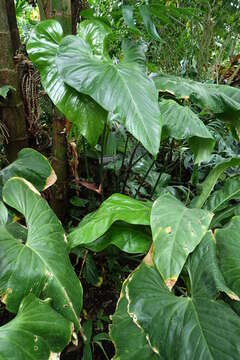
149,132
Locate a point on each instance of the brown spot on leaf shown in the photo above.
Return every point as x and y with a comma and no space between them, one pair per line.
170,282
5,295
168,230
50,180
148,260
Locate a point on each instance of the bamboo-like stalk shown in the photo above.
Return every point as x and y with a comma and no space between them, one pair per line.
59,10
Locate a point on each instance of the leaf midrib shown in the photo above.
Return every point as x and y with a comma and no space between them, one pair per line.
200,327
59,282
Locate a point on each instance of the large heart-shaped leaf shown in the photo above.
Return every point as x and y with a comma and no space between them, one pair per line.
122,88
180,122
176,231
196,327
208,184
39,264
219,99
34,332
32,166
117,207
42,48
129,238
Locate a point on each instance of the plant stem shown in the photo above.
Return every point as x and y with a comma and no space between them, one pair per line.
144,178
85,159
156,184
125,152
102,155
129,167
140,157
122,165
194,177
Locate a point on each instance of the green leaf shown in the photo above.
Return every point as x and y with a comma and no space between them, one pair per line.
94,32
135,53
117,207
122,88
182,327
80,109
101,337
220,198
225,215
34,332
148,22
32,166
228,245
3,214
87,329
187,126
129,238
169,14
127,12
208,184
87,352
90,272
129,340
41,264
204,272
176,231
218,99
79,202
4,90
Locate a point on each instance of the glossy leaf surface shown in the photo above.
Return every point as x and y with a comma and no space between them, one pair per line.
220,198
180,122
40,263
176,231
3,214
129,238
34,332
208,184
196,327
204,272
94,32
117,207
228,245
32,166
219,99
122,88
129,340
80,109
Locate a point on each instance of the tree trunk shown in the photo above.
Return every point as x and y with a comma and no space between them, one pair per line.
59,10
77,7
12,111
